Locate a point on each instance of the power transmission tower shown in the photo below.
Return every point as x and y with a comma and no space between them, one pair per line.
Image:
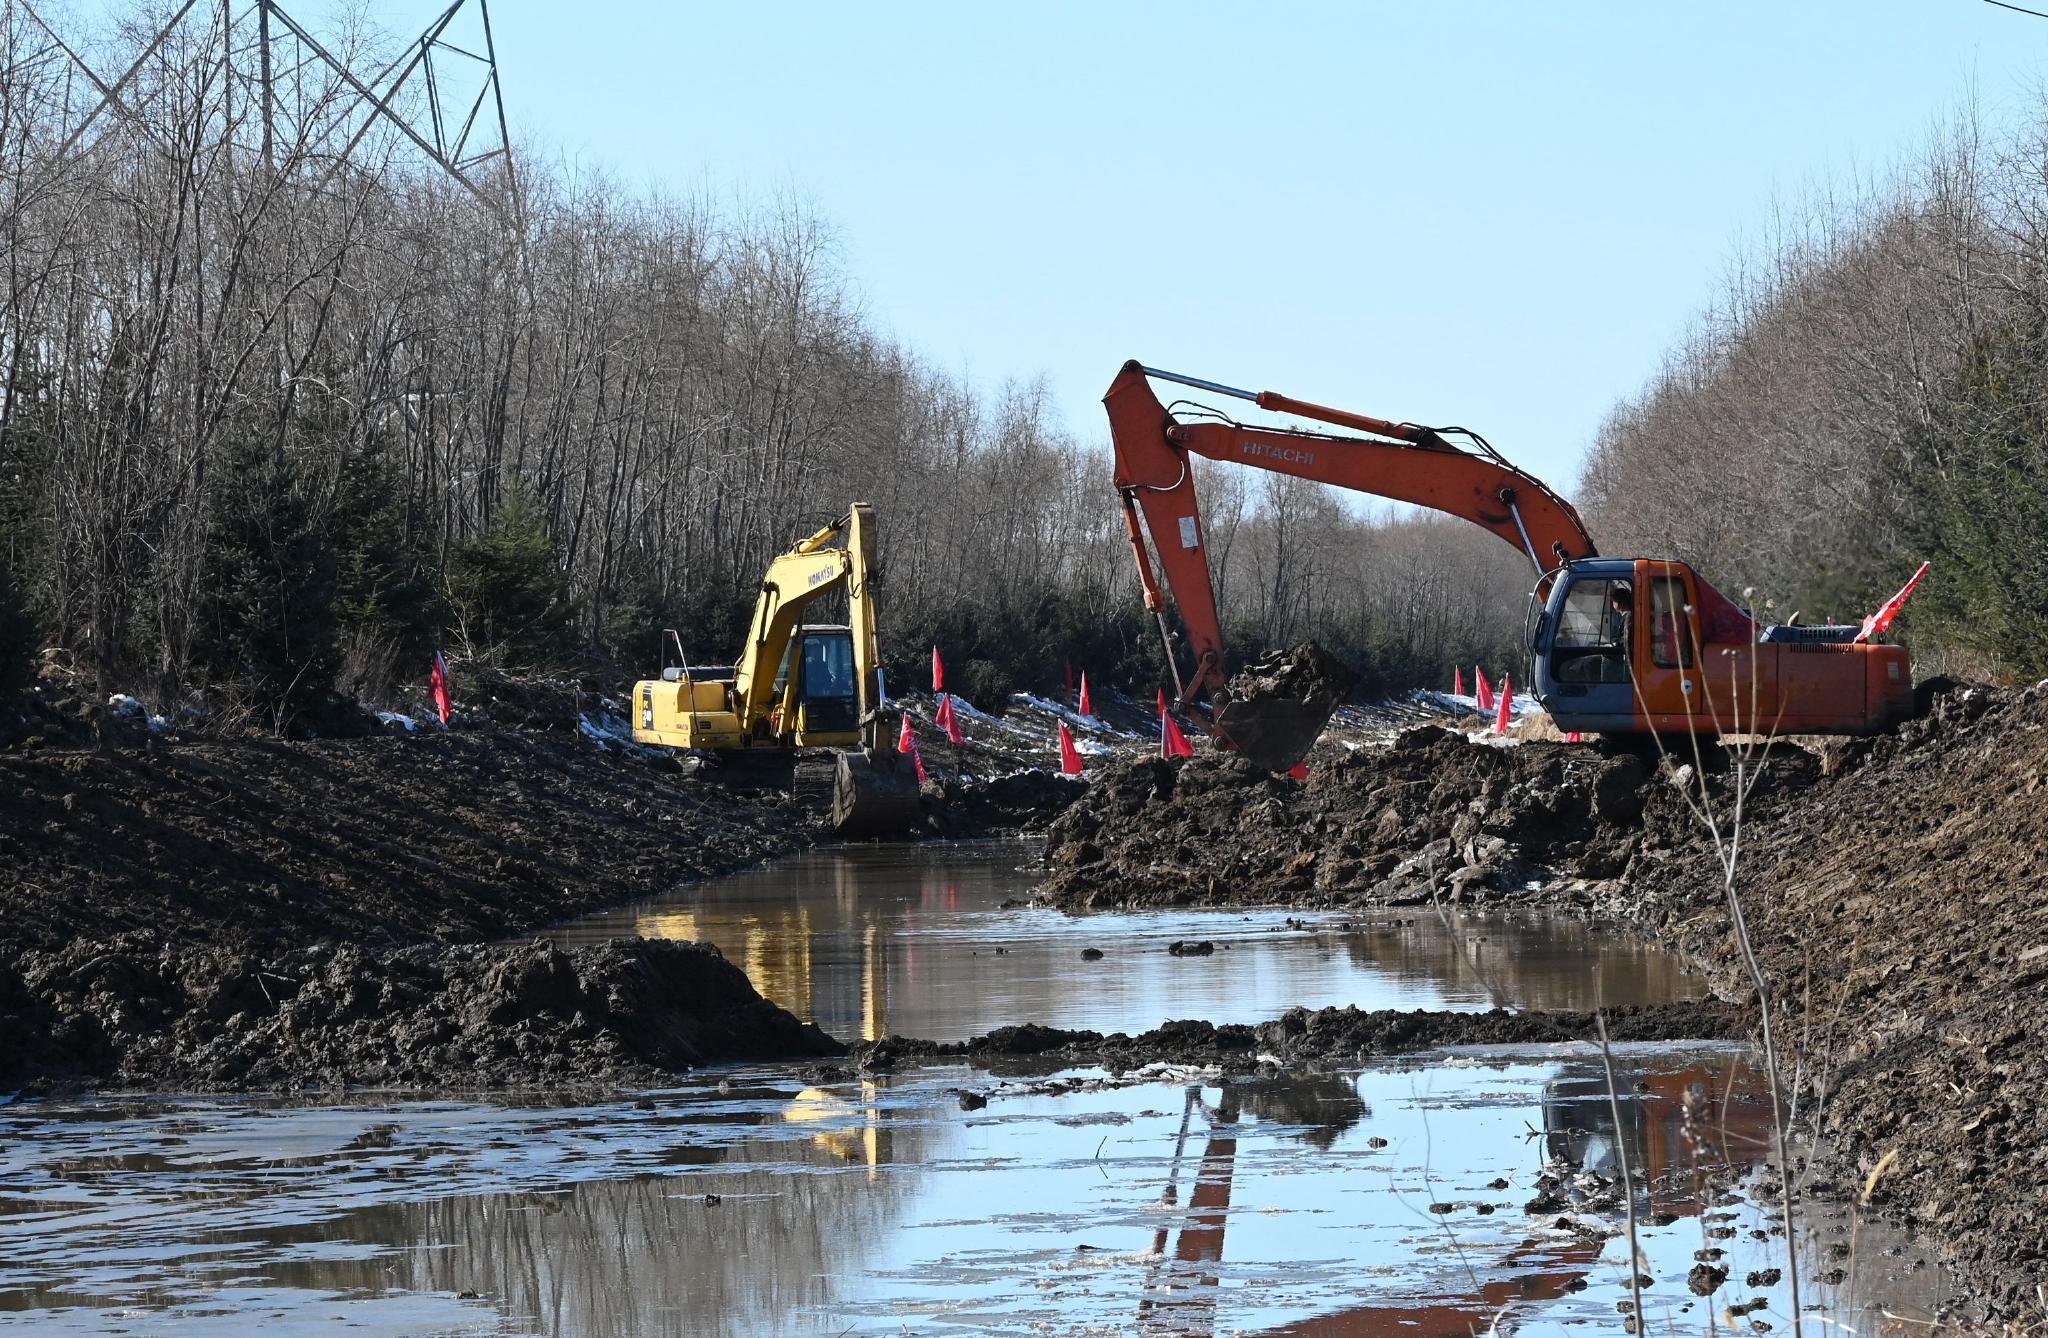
442,93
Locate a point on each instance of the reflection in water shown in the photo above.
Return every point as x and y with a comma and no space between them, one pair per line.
1305,1204
913,940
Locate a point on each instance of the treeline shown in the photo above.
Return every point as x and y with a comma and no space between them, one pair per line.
274,425
1871,391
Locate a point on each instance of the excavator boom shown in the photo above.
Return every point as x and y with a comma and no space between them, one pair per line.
1688,661
1401,461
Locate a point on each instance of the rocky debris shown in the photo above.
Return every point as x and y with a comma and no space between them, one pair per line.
142,1010
1328,1035
1434,817
1705,1279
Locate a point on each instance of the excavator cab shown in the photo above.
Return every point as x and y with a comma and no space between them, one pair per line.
1642,646
821,708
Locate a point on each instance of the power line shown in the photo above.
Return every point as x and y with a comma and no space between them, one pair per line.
2017,9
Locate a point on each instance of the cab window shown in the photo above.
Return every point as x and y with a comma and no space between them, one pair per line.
828,667
1670,624
1590,645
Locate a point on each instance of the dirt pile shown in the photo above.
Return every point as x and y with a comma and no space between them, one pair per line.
144,1011
328,880
1433,816
459,836
1327,1035
1901,904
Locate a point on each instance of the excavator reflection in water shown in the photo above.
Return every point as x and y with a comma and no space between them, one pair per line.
1677,1126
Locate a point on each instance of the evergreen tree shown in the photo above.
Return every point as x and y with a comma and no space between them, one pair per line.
389,609
1981,485
273,589
509,592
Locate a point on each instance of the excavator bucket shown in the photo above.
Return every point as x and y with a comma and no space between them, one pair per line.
1275,734
1277,708
874,793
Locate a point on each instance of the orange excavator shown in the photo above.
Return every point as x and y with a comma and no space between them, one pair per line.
1618,646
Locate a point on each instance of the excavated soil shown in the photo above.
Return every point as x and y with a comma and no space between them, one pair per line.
1437,816
1323,1036
1893,888
214,914
143,1011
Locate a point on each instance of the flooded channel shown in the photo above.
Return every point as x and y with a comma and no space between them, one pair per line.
1405,1197
924,941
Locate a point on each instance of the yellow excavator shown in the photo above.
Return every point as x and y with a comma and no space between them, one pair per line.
798,688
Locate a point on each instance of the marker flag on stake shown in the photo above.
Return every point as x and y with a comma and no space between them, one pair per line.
437,683
944,719
905,743
1172,743
1457,680
1507,695
938,672
918,758
1877,623
1070,756
1084,706
1485,690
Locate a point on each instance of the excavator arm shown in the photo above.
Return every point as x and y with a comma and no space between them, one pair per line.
793,582
1400,461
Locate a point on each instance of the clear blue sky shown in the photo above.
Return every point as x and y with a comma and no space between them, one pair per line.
1498,215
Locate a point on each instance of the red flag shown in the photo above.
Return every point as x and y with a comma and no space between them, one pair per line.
918,758
938,672
1070,756
1172,743
944,719
1084,706
1485,689
1162,701
1299,771
1876,623
1457,680
437,683
904,742
1507,695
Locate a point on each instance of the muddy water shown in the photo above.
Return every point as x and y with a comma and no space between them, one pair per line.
916,941
766,1200
1386,1200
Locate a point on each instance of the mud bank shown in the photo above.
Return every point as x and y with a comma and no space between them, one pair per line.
1322,1036
1894,889
1433,817
208,914
143,1012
